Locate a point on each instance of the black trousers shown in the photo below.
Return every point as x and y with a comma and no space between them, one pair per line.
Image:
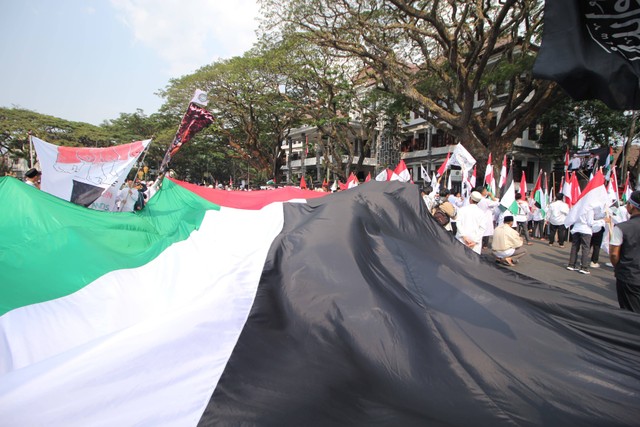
524,230
562,233
596,241
628,296
580,242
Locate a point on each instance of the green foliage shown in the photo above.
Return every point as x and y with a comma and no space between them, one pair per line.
600,125
440,55
16,123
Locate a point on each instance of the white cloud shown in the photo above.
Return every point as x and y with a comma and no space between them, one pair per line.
192,33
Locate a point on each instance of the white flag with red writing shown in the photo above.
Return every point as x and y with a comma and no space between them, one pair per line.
83,175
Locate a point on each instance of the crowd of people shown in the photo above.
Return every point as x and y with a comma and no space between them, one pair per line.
480,222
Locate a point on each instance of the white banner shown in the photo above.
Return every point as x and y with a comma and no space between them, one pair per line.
85,175
462,158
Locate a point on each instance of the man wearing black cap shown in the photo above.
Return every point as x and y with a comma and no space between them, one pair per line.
32,177
507,243
624,251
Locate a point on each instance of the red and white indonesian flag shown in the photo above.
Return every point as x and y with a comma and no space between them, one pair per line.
523,186
443,167
402,172
593,196
352,181
567,189
626,192
489,179
258,311
387,175
83,175
612,187
503,172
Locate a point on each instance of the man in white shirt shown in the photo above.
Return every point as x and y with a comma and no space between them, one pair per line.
487,205
471,223
522,217
581,232
127,197
556,213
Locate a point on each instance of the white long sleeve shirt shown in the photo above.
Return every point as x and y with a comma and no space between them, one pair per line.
557,212
585,223
471,223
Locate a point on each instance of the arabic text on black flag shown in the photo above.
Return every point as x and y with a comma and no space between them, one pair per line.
592,49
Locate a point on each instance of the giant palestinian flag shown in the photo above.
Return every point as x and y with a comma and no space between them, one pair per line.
86,175
355,308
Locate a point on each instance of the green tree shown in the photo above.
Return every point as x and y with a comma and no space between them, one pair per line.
600,125
252,116
442,55
17,123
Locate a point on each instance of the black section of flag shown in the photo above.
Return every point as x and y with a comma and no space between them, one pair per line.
368,313
84,194
592,50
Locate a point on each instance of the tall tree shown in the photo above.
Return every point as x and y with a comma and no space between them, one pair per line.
468,62
326,94
251,113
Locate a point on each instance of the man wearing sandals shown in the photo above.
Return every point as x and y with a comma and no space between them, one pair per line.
507,245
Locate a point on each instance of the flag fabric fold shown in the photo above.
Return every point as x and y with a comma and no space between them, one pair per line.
508,192
537,194
194,120
567,190
200,97
461,157
443,167
523,186
190,313
402,172
489,179
352,181
424,174
612,187
593,196
626,192
587,49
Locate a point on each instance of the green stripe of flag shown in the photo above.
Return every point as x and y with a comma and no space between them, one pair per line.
86,243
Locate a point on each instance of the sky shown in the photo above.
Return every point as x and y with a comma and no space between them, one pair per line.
90,60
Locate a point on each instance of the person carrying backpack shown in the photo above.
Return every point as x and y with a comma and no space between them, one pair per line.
444,211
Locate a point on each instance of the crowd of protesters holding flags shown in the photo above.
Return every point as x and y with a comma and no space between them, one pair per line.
591,219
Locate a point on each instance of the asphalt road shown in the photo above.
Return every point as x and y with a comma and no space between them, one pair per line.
548,264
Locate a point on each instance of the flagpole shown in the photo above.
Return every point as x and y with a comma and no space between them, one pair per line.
30,150
627,144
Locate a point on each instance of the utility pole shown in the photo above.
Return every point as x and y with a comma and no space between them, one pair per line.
627,144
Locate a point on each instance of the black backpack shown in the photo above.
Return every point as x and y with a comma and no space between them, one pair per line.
441,217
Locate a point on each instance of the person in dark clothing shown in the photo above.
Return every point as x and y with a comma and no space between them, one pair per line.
624,252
